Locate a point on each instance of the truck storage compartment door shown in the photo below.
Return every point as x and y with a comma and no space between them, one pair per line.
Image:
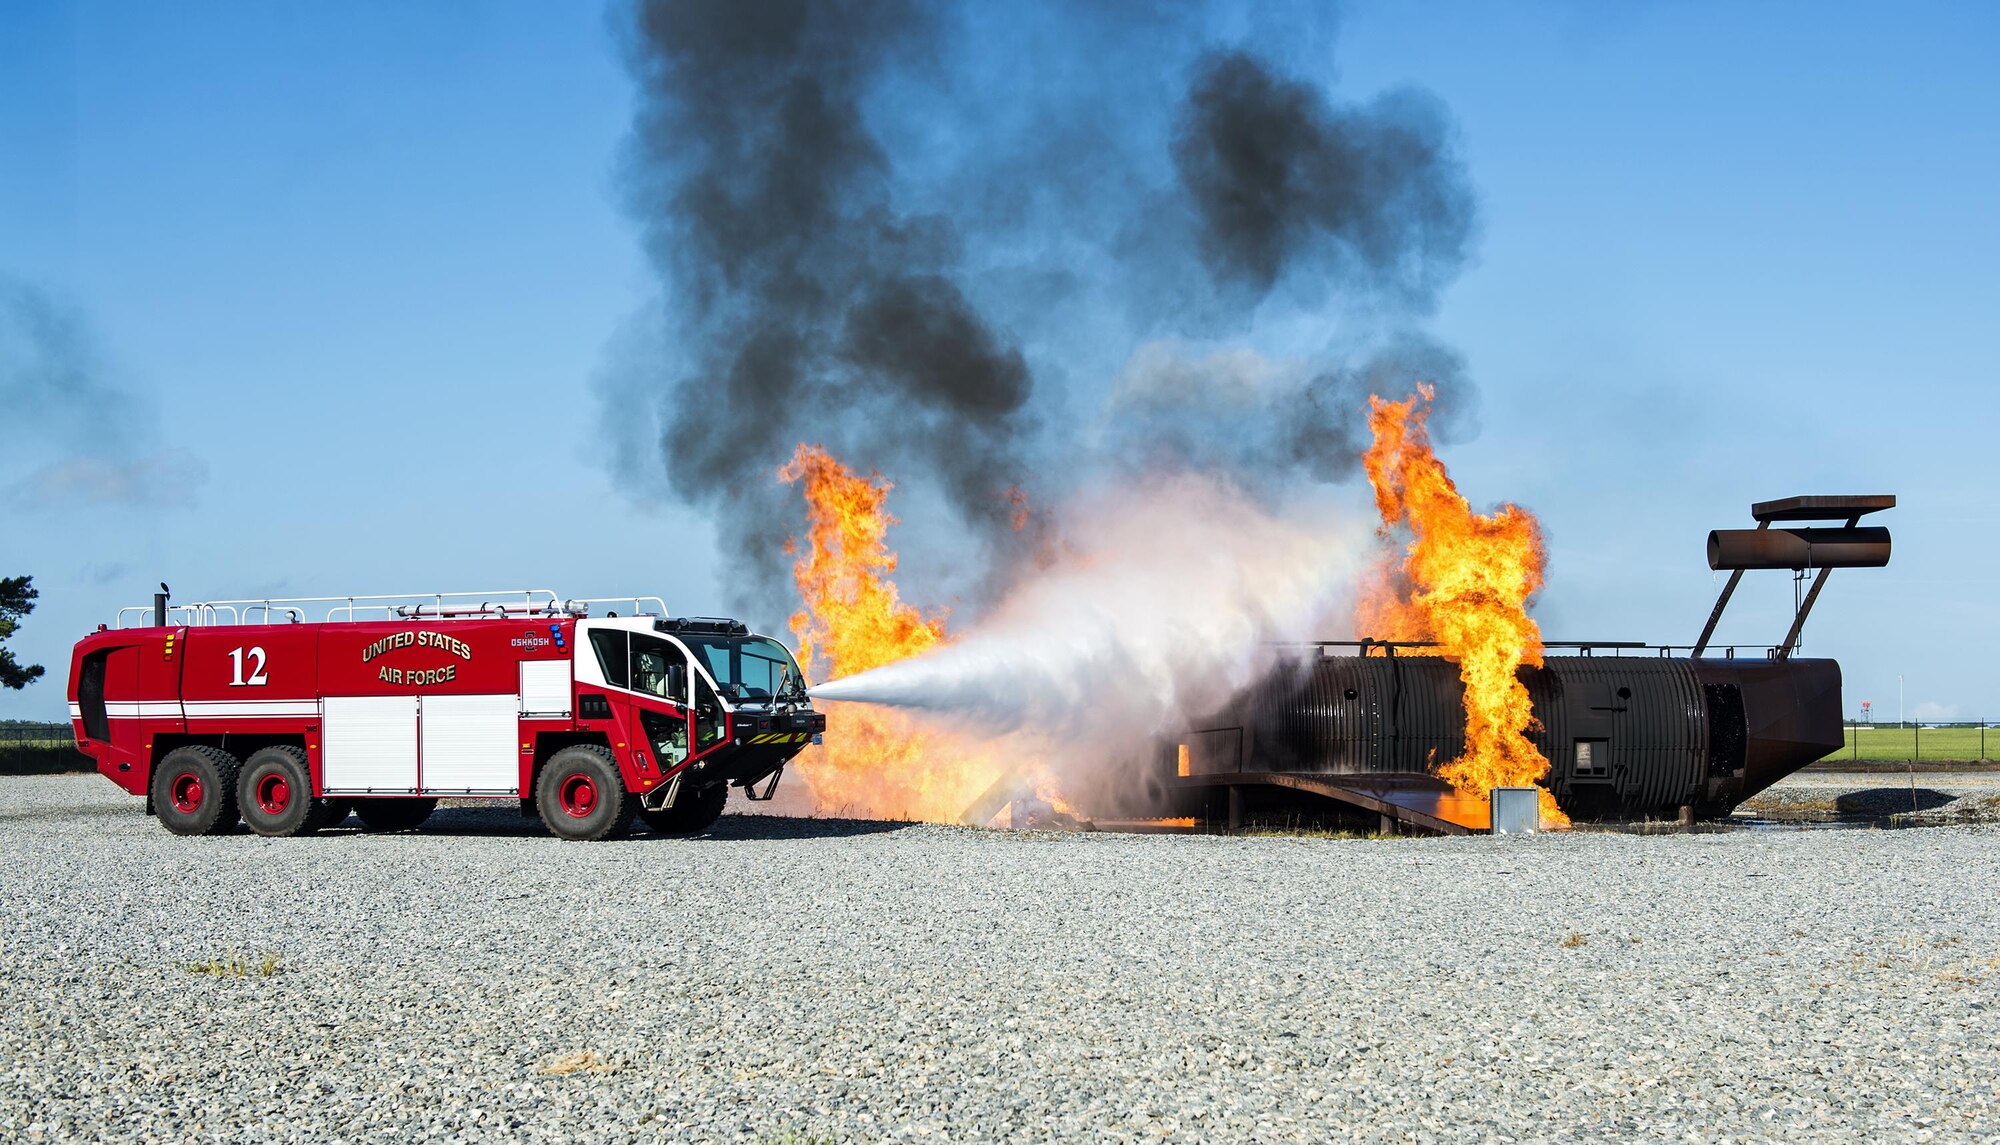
370,744
545,689
469,745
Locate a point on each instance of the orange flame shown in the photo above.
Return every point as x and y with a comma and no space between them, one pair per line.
1464,581
875,763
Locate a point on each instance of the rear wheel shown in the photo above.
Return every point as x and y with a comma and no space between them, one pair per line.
394,814
194,791
275,793
581,795
692,813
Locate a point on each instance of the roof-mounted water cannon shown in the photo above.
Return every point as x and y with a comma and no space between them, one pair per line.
711,625
1824,548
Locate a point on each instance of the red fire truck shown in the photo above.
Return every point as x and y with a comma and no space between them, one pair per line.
248,709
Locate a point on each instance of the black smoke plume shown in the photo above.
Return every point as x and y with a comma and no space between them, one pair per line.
832,273
76,439
812,307
1372,195
1270,424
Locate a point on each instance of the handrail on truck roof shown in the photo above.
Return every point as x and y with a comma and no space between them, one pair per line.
391,606
583,603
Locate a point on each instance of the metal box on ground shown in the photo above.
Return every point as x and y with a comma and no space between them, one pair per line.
1517,810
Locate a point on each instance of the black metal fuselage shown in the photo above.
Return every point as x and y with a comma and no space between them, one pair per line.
1627,736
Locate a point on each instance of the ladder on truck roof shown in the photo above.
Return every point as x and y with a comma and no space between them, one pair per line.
491,604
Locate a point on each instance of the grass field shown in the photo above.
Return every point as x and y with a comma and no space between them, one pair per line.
1937,744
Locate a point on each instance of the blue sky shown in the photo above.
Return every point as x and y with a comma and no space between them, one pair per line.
361,266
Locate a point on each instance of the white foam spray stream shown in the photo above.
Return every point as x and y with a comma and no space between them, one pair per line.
1167,600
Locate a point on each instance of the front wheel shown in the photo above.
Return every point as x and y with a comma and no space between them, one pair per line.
581,795
194,791
692,813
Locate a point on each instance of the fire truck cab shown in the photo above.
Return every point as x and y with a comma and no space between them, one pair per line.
244,710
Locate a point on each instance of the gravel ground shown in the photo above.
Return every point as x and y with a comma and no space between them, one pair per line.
798,981
1923,799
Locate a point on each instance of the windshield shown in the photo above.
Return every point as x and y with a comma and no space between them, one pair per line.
749,668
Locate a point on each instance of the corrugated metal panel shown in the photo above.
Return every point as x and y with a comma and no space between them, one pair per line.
1647,717
545,688
1347,705
469,744
1426,721
370,744
1213,751
1354,715
1406,714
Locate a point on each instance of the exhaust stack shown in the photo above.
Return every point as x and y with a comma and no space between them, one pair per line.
1799,549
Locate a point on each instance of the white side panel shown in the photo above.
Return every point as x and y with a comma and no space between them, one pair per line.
370,743
470,744
545,687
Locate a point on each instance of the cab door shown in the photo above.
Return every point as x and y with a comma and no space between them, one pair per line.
107,700
647,681
660,673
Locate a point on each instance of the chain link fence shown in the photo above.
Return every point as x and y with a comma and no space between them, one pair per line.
1959,741
15,732
28,748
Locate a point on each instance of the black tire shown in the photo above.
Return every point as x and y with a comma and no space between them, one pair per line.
333,812
275,793
692,812
394,814
581,795
194,791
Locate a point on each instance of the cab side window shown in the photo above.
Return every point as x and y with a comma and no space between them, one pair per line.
90,696
659,669
708,719
609,644
669,735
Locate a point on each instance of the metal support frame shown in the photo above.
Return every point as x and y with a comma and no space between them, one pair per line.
1367,646
1853,508
771,789
1805,606
1721,602
661,798
1415,803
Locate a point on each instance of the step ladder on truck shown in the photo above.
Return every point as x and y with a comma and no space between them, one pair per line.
267,712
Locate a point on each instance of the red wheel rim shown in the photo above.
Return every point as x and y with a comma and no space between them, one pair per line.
186,792
274,794
578,795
